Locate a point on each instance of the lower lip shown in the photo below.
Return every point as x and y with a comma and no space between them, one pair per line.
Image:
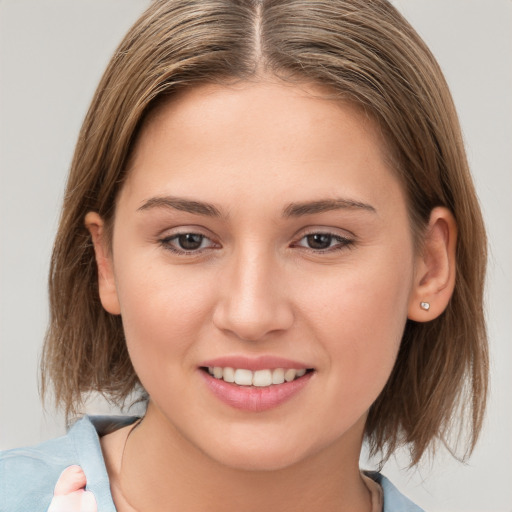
252,398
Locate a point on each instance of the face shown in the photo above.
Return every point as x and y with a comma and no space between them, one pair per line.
260,229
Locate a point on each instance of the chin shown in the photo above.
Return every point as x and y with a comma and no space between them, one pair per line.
258,461
273,452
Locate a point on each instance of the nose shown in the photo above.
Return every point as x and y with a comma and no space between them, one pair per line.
253,301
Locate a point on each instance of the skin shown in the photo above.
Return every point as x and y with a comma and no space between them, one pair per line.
257,287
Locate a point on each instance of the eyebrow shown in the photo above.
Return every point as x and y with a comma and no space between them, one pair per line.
325,205
292,210
184,205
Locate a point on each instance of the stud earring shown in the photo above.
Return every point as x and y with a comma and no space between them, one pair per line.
425,305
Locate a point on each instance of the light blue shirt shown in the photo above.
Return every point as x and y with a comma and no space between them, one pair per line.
28,475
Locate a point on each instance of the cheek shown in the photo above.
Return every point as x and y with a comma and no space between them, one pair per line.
162,311
360,319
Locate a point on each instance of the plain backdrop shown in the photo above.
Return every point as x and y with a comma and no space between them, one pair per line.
52,54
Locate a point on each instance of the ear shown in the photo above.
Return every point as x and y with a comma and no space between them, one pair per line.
434,277
106,282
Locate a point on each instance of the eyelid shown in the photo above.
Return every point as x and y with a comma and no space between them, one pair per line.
184,229
346,241
165,238
327,230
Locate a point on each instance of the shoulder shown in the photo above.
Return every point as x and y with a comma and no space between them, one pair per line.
28,476
394,501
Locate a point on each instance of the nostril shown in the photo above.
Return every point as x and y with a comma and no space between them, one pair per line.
250,322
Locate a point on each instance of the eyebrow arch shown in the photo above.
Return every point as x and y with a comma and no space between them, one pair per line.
178,203
325,205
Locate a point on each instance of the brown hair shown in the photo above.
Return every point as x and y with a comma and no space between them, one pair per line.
361,50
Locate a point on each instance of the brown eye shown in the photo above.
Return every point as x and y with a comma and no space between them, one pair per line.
319,241
324,242
190,241
187,243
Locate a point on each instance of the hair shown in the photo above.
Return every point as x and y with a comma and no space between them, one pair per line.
363,52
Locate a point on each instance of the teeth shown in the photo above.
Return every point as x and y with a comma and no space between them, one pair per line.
262,378
229,375
278,376
259,378
243,377
289,375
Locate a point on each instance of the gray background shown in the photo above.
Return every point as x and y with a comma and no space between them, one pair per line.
52,54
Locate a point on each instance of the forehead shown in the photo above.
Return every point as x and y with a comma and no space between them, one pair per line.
243,105
258,138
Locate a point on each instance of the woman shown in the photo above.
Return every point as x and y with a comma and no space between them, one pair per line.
270,227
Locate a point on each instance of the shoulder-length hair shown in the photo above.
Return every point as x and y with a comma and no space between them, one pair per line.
362,51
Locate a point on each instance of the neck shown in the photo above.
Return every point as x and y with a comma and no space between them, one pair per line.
161,470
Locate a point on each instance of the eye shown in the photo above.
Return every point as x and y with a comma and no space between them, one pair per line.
186,243
324,242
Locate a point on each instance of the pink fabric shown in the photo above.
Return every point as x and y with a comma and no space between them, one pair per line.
70,495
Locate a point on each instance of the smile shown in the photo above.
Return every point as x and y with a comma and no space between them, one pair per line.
256,390
259,378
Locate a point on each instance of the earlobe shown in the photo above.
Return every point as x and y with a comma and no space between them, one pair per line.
106,282
434,278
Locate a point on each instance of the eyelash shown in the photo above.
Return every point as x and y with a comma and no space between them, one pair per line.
341,243
166,243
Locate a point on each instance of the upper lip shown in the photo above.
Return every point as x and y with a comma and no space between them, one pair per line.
254,363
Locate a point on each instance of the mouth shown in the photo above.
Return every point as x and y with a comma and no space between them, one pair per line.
259,378
258,389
